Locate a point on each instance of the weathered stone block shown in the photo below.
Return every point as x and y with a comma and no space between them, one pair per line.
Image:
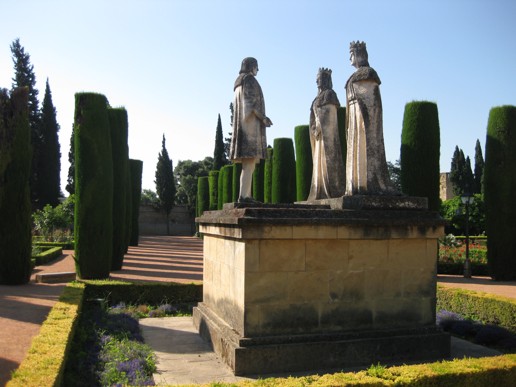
327,254
289,255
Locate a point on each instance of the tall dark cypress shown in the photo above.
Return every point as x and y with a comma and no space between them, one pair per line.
479,168
24,77
258,180
227,183
136,167
341,124
213,181
304,163
499,183
267,176
49,156
15,207
420,150
165,182
70,181
203,195
93,187
118,123
219,155
235,185
283,171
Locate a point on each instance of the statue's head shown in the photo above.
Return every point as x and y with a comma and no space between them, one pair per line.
358,51
247,65
324,79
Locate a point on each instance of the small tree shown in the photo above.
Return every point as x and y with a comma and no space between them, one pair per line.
479,168
70,182
165,184
395,173
499,183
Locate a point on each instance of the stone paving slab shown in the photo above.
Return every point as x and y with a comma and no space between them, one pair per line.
185,358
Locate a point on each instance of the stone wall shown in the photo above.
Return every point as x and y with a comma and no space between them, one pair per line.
445,187
152,222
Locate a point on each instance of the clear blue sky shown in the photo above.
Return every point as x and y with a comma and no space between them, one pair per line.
172,64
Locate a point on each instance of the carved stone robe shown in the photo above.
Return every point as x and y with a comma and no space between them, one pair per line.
328,166
248,140
366,166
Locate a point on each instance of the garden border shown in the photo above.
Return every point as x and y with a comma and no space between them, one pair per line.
44,365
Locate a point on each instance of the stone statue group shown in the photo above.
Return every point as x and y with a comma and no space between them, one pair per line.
365,171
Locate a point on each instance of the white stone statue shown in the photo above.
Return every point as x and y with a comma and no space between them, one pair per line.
328,167
248,144
366,166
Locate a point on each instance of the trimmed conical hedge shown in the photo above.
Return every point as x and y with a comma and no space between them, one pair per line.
118,124
258,181
499,192
420,151
213,181
283,171
203,195
93,187
304,165
15,171
235,186
267,177
227,183
136,168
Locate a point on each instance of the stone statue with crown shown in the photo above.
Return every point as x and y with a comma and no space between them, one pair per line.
366,165
328,169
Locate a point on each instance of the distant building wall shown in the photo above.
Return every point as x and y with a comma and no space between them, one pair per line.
152,222
445,187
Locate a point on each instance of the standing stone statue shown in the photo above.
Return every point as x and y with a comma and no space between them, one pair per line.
248,144
328,167
366,166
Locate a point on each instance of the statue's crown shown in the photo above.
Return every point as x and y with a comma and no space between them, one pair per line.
324,70
357,46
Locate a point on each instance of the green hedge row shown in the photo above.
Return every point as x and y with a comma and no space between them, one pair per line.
457,268
48,255
47,357
483,307
64,245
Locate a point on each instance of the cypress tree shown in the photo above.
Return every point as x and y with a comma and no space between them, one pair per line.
128,206
227,183
70,182
283,171
258,181
24,77
213,182
203,195
235,186
220,188
469,180
118,123
93,187
341,124
499,183
165,182
304,164
420,149
455,170
479,168
15,206
49,157
267,176
136,167
219,155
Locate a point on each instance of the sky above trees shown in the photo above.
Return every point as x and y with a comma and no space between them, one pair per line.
172,64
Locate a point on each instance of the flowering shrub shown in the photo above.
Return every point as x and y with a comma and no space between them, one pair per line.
452,254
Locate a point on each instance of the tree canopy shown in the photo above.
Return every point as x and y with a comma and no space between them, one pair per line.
187,173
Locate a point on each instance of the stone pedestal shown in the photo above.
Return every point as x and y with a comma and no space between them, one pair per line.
299,288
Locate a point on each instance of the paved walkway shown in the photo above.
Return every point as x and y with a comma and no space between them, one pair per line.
157,258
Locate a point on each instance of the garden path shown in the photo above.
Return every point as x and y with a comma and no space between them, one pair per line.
157,258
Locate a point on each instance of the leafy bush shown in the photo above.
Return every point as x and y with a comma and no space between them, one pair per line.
55,224
454,212
452,255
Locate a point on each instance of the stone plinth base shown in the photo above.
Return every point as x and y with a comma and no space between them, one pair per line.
301,287
324,351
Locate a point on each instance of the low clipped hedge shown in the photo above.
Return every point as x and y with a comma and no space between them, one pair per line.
45,362
457,268
483,307
47,255
64,245
47,357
